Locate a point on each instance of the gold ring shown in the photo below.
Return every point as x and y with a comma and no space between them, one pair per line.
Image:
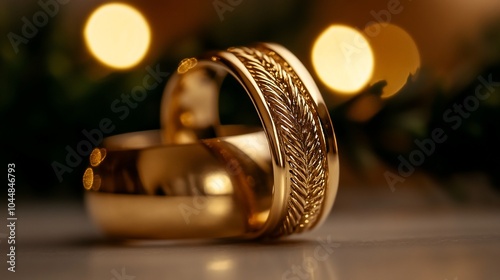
294,117
139,188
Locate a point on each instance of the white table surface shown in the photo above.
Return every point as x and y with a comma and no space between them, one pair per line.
57,241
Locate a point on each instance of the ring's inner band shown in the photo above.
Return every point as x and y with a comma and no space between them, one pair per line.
190,109
212,188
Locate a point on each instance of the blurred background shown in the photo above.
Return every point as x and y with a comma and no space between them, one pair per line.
412,86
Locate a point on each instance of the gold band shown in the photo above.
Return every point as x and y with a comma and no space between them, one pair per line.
216,188
294,116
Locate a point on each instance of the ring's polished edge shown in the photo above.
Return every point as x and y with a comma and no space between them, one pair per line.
294,116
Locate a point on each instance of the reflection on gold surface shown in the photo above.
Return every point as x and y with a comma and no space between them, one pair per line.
91,181
343,59
186,64
396,56
97,156
185,136
187,119
258,218
203,111
117,35
88,178
216,208
217,184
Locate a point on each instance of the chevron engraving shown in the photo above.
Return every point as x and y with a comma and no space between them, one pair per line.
298,127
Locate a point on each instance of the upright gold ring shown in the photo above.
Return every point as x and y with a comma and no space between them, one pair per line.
295,120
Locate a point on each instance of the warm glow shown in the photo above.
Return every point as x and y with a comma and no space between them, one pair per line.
396,56
343,59
91,181
117,35
88,178
97,156
218,184
220,265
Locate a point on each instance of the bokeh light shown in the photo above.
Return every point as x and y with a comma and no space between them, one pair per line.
117,35
396,56
343,59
